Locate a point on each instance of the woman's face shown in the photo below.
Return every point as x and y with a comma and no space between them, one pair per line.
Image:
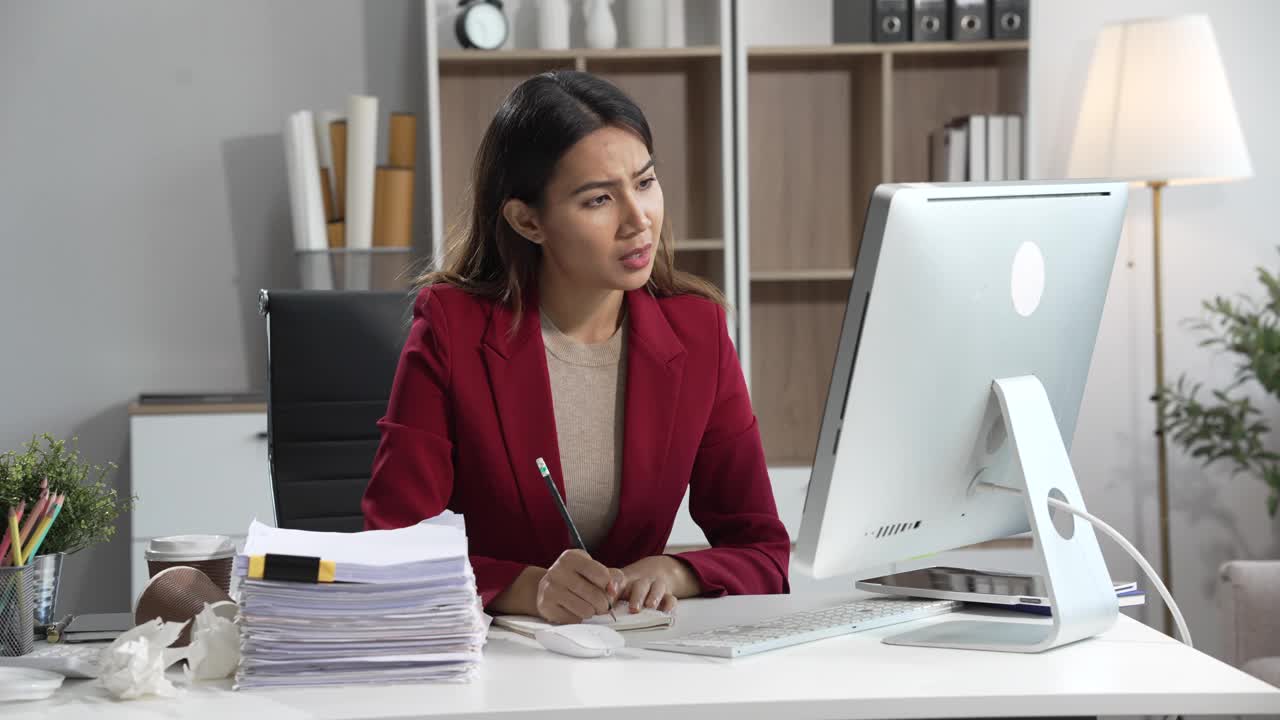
601,214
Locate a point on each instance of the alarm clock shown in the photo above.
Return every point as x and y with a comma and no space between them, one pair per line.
481,24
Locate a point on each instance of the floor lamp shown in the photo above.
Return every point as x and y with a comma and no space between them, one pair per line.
1157,111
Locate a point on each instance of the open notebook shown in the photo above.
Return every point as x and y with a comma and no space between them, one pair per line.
646,619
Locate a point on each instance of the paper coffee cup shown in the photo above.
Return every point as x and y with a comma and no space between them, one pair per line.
210,554
178,594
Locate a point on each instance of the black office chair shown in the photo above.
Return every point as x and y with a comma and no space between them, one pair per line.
331,358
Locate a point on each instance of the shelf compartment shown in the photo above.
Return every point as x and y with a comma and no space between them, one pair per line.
816,143
795,329
929,90
706,265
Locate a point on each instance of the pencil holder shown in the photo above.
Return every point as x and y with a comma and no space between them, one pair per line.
45,572
17,627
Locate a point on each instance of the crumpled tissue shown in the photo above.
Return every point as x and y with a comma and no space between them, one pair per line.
134,665
214,651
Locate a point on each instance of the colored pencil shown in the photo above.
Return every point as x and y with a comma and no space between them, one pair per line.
37,511
34,546
4,541
15,549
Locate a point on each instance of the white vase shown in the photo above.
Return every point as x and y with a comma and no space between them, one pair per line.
553,24
646,24
602,31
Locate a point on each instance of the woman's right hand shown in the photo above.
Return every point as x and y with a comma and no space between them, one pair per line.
577,587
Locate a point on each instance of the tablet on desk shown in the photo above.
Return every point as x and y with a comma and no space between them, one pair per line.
979,586
95,627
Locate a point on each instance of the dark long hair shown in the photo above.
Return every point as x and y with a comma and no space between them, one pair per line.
535,126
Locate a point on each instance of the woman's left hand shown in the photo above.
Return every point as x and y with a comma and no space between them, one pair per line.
657,582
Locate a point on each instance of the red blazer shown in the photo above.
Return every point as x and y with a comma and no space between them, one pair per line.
471,410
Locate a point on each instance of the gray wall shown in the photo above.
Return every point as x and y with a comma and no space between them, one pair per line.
143,201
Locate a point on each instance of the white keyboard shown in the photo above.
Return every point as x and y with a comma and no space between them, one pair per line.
70,659
802,627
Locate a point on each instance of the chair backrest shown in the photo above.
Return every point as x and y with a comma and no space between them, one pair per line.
331,358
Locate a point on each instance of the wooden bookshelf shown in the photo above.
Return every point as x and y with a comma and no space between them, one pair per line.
826,124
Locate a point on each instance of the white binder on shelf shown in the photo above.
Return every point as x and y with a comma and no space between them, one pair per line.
995,148
977,159
1013,148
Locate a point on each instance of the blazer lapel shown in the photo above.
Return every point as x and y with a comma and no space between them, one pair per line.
655,371
517,368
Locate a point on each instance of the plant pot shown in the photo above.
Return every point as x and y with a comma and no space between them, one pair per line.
46,572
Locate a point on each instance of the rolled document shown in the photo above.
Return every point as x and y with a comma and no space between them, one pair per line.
362,150
402,145
324,147
305,203
338,140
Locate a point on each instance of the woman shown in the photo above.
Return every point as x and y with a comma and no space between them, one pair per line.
560,330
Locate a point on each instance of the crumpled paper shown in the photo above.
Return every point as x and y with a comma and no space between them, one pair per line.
134,665
214,651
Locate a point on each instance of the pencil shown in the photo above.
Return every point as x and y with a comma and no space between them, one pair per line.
15,550
4,535
37,511
34,546
564,513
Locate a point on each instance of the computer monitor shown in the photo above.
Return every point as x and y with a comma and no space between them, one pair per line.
957,286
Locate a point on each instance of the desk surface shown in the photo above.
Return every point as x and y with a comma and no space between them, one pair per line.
1131,670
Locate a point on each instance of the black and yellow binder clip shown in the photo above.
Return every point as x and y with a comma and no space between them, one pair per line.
290,568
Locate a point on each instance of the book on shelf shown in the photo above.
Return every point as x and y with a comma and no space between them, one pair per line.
977,148
995,148
947,161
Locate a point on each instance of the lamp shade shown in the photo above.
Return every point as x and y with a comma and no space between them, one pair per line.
1157,107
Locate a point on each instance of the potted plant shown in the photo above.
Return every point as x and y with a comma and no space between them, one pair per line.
88,515
1227,427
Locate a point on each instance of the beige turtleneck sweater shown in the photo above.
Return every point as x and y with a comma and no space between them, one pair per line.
588,384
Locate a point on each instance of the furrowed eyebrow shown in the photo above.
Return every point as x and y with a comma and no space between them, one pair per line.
610,183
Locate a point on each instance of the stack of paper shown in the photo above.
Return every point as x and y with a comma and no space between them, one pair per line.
402,607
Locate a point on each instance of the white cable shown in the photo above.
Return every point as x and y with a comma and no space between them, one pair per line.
1183,634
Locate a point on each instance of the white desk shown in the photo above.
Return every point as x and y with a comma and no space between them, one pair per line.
1132,670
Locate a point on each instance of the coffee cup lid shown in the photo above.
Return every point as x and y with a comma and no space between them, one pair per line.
190,547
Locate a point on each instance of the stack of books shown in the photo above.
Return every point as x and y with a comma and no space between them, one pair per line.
977,148
381,606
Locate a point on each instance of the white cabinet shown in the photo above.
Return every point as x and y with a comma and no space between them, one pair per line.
196,469
204,469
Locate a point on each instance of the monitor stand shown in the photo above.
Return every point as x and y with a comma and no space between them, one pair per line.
1079,586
